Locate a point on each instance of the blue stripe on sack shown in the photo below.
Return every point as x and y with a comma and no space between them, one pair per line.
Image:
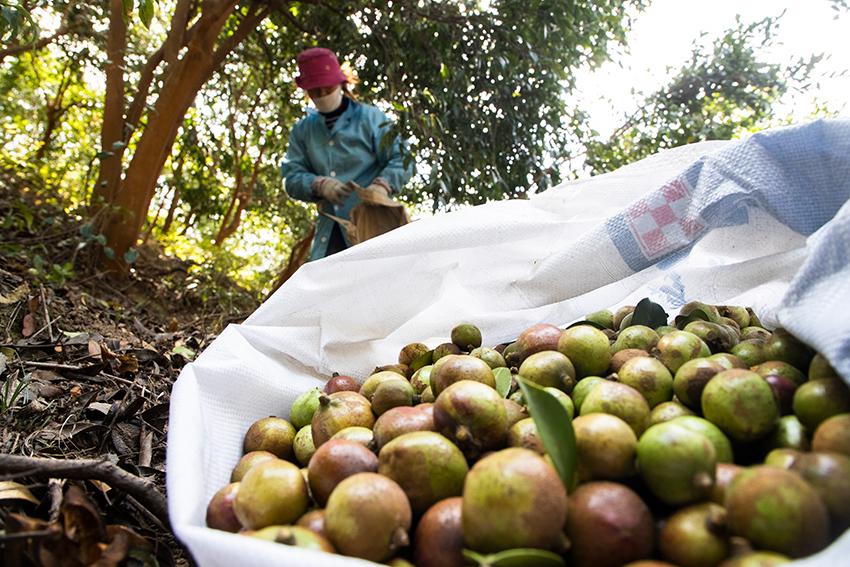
800,175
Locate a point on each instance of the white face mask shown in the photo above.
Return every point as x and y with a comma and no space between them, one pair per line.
329,102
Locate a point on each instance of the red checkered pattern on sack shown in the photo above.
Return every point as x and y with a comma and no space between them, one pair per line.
660,223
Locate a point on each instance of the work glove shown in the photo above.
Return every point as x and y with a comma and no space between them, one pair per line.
381,186
331,189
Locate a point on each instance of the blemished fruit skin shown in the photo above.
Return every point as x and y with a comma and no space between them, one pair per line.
401,420
368,516
649,377
338,411
608,525
818,400
272,434
587,348
829,475
691,378
439,536
426,465
472,415
513,498
621,400
741,404
296,536
776,510
677,464
271,493
678,347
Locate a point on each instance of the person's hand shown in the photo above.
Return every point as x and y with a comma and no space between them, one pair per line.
381,186
331,189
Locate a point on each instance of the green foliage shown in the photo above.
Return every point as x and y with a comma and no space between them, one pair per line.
16,23
720,93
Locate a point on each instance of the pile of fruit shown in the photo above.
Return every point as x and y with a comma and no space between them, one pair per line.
624,439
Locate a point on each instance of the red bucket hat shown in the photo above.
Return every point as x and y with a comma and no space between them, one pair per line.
318,67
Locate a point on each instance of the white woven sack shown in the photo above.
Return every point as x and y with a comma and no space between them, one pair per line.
763,222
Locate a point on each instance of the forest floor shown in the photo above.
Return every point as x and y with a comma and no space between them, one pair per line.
87,363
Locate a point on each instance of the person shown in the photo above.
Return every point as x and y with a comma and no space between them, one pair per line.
336,148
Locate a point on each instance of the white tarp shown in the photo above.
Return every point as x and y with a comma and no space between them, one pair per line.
763,222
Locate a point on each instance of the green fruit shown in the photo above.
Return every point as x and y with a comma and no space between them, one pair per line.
829,475
524,434
335,461
676,463
779,368
582,388
272,434
565,400
738,314
751,352
421,379
370,385
602,318
718,337
620,400
776,510
833,435
549,368
758,333
426,465
472,415
513,499
444,350
455,368
587,348
782,458
248,461
608,525
741,404
757,559
691,378
491,356
412,352
605,447
427,396
466,336
368,516
649,377
667,411
782,345
818,400
820,368
271,493
789,434
296,536
709,311
392,394
621,314
637,337
626,322
338,411
695,536
303,445
303,408
675,349
722,446
665,330
727,360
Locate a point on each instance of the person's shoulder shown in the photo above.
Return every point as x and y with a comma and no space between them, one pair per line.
305,121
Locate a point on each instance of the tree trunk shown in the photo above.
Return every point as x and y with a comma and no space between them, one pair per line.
184,80
112,130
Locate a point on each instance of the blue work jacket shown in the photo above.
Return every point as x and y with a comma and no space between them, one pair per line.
351,151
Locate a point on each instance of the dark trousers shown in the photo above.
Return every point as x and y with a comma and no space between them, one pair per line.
336,242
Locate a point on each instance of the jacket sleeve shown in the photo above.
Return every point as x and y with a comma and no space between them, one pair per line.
295,168
391,155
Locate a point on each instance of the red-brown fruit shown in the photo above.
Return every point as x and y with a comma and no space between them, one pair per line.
439,536
335,461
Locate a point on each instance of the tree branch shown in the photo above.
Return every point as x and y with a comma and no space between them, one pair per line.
90,469
35,45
